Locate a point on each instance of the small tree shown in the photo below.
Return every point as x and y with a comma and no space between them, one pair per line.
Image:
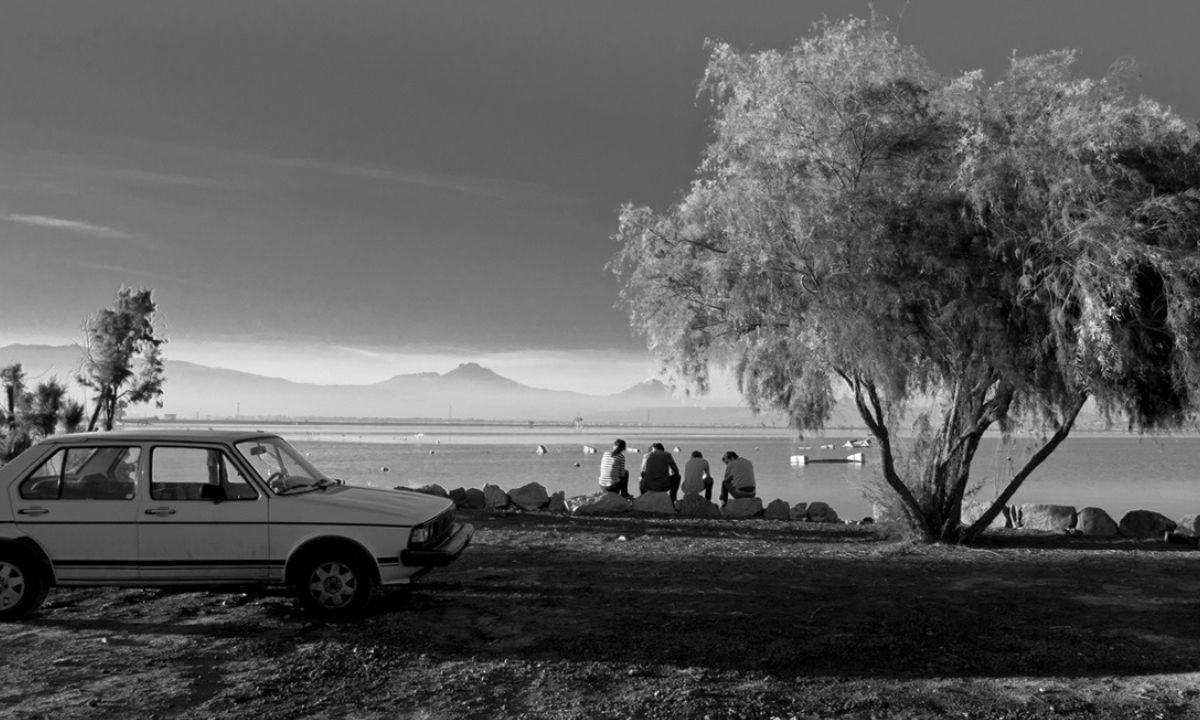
122,356
996,253
12,378
14,438
31,416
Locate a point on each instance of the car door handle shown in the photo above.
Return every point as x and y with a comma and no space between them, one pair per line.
160,511
33,511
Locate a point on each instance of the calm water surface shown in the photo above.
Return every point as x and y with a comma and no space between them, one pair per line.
1113,471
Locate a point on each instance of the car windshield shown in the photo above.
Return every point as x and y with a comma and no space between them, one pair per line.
283,468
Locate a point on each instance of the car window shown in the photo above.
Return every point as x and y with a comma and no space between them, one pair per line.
188,473
85,473
280,466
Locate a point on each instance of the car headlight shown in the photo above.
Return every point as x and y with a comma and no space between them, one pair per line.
433,531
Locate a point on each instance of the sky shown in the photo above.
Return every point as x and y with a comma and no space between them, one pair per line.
346,190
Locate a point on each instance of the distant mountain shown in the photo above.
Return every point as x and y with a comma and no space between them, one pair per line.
475,373
470,391
648,390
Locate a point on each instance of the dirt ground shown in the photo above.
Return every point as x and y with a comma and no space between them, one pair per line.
558,617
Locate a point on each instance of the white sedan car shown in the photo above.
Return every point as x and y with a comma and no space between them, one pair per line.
208,508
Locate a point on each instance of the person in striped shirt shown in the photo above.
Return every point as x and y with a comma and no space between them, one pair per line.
613,475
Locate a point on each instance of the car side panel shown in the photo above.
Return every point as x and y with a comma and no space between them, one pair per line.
87,541
203,541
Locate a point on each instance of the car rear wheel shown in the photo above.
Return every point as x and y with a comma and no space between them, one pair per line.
335,586
22,587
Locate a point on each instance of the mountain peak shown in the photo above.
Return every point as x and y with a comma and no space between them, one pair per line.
654,389
475,372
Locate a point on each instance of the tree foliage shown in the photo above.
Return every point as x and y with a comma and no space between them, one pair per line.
32,415
123,361
1004,251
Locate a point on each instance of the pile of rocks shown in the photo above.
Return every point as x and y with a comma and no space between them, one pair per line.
1090,521
534,497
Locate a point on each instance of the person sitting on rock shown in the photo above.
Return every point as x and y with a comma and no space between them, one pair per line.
659,472
697,478
613,475
739,477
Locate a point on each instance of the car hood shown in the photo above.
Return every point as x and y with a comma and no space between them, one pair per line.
355,504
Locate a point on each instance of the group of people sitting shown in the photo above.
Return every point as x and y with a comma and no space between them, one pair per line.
659,473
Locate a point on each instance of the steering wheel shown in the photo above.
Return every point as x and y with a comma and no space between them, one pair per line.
277,481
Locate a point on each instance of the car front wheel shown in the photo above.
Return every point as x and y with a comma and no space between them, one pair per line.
334,586
22,588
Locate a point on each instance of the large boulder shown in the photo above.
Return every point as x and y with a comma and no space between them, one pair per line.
778,510
476,500
494,498
654,502
799,511
459,496
607,504
693,505
821,512
577,501
1094,522
433,489
558,503
1055,518
742,508
1145,524
1189,526
532,496
973,511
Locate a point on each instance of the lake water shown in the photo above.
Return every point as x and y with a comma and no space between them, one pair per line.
1113,471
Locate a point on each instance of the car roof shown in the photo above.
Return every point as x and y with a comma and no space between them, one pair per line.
156,435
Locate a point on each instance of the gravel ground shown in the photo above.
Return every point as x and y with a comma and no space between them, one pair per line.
557,617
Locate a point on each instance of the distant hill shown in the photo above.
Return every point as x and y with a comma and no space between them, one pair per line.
652,390
470,391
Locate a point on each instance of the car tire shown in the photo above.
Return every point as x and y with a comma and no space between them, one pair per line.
334,585
23,588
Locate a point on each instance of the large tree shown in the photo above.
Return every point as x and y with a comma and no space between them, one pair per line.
972,255
123,361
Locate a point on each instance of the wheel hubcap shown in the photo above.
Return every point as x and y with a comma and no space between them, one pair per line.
333,584
12,585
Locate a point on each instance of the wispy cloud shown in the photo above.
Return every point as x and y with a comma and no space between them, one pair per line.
74,226
479,187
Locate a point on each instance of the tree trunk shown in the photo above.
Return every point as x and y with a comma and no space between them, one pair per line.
110,410
870,408
972,533
96,413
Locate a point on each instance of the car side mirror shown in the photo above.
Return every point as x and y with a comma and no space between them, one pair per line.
216,493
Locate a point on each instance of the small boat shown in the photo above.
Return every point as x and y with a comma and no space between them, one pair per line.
588,449
802,460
